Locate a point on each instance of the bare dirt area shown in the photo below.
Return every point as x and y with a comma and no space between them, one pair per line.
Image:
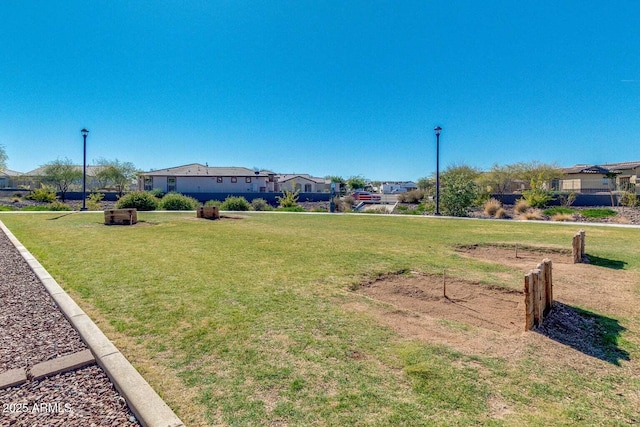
489,320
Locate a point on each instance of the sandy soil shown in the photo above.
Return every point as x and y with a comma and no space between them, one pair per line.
480,319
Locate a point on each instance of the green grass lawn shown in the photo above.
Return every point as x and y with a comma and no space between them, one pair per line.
246,321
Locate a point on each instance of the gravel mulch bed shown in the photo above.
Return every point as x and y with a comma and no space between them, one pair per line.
33,330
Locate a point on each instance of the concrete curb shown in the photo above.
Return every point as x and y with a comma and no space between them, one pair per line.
144,402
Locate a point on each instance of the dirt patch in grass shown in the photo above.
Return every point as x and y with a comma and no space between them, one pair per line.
581,330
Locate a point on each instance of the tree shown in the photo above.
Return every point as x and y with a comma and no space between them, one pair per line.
356,182
459,189
116,174
425,183
3,159
498,180
61,174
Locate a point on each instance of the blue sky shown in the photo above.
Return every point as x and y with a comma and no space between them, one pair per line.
320,87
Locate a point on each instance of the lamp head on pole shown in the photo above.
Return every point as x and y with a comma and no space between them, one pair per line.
84,132
437,129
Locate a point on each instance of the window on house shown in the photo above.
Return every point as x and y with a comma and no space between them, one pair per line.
171,184
307,188
247,180
148,183
234,179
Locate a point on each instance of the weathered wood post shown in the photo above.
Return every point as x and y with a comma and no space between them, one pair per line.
528,302
548,284
583,241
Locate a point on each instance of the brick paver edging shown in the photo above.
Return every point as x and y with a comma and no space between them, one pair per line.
144,402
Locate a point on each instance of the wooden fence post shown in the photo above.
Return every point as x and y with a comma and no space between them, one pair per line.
528,301
548,284
583,242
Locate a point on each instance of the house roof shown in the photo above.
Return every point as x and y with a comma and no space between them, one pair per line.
594,169
196,169
91,170
623,165
9,172
288,177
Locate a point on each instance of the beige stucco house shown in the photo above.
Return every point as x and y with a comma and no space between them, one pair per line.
304,183
197,178
595,179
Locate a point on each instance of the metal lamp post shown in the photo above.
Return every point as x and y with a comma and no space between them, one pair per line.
84,132
438,129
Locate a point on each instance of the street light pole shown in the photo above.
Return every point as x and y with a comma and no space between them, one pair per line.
84,132
438,129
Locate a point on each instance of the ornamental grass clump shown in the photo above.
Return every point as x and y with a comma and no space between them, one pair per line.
500,214
521,206
562,217
492,206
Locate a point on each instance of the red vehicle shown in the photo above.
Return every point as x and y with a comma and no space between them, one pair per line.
366,196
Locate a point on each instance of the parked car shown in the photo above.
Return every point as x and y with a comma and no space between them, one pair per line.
366,196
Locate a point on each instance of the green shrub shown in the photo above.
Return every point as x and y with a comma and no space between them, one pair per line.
140,200
295,208
157,193
58,206
629,199
289,199
598,213
213,203
232,203
94,201
260,205
43,194
178,202
537,197
6,208
558,210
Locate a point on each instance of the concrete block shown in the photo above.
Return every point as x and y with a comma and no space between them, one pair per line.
12,378
62,364
143,401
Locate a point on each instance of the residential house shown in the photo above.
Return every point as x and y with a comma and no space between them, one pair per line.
600,178
33,179
9,178
197,178
303,183
398,187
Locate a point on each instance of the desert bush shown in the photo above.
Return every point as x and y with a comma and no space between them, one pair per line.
178,202
491,206
535,214
537,197
567,199
233,203
260,205
562,217
344,204
500,213
43,194
413,196
140,200
521,206
94,201
289,199
629,199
